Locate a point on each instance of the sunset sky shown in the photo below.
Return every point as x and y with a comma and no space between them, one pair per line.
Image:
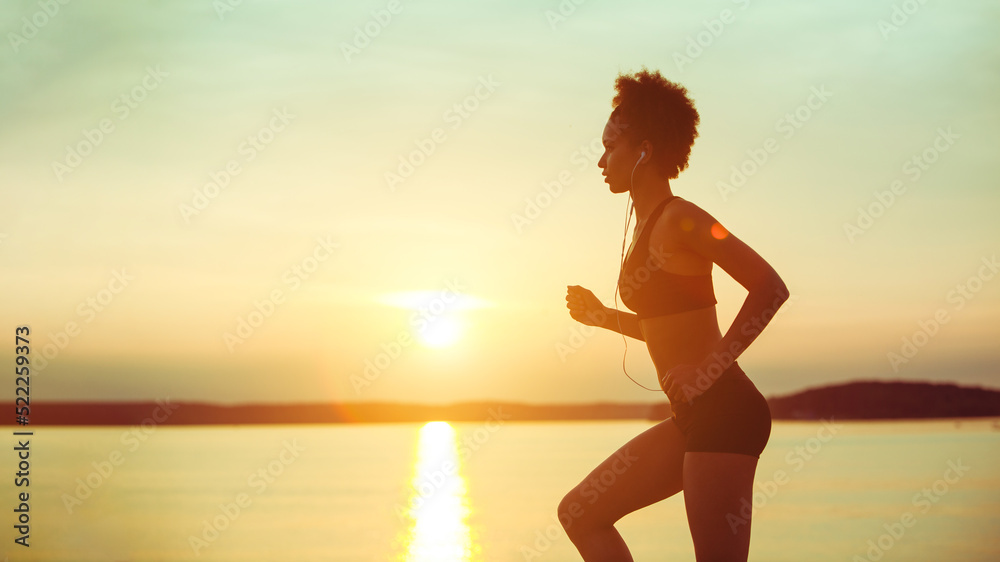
261,203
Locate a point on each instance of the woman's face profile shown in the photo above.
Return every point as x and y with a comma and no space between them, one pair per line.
619,156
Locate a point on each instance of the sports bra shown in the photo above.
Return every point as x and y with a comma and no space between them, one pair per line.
650,291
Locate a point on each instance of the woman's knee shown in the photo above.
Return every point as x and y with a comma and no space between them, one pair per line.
573,515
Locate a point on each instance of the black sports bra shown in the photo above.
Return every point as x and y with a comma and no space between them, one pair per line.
650,291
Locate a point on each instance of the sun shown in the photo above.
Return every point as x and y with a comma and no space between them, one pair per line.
436,317
441,332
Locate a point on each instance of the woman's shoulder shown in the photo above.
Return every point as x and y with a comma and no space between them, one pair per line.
682,219
679,213
679,221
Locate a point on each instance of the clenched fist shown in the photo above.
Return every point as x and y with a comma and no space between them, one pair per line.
584,307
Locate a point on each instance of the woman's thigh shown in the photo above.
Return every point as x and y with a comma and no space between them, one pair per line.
718,498
643,471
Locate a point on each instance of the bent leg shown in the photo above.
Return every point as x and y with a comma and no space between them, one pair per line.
718,497
645,470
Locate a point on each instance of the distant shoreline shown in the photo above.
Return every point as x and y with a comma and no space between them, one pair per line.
863,400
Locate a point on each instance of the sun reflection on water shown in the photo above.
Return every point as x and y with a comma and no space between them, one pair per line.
439,506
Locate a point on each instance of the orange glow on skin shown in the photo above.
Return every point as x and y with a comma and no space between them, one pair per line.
719,232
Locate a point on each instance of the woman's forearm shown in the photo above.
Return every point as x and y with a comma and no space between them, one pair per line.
629,323
758,309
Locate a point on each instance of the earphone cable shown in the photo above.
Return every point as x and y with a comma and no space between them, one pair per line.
621,273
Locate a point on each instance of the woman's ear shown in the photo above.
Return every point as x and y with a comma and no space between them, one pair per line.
646,149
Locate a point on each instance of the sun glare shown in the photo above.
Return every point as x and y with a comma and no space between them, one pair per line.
439,506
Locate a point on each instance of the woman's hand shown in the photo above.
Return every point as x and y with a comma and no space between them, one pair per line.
584,307
684,383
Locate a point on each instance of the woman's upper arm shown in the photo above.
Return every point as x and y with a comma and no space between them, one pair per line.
704,235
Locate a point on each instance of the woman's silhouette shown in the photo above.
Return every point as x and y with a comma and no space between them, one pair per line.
720,424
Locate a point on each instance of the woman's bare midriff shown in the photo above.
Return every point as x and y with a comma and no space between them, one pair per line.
683,338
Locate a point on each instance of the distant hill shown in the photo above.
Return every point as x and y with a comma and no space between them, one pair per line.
887,400
855,400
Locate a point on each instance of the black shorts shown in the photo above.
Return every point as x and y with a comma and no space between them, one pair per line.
732,416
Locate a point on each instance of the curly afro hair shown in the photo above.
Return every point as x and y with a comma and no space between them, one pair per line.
658,110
